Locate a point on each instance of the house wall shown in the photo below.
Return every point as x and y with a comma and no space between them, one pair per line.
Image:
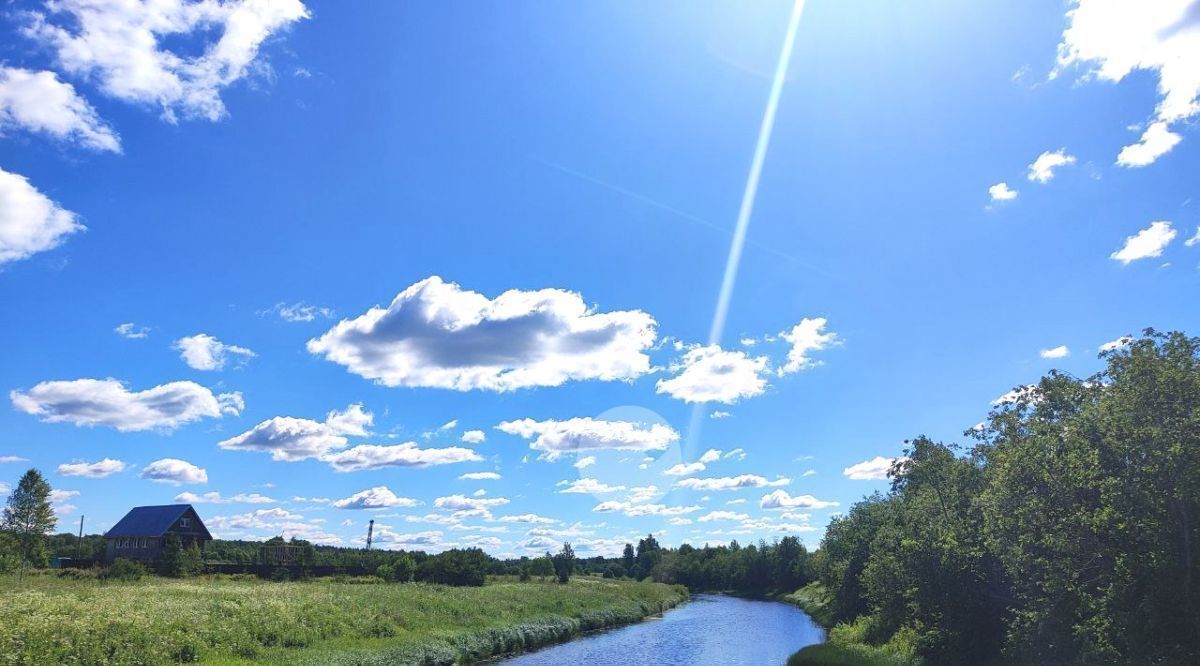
142,549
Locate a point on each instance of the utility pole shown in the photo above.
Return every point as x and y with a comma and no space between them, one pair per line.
79,541
370,533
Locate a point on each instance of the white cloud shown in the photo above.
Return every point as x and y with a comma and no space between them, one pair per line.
805,337
1002,192
92,402
1194,240
434,334
780,499
40,102
409,454
586,434
718,414
875,469
684,469
61,499
586,485
1120,342
584,462
463,503
174,471
711,374
131,330
204,352
299,312
29,221
474,437
1060,351
291,439
4,489
710,456
217,498
740,454
530,518
123,46
635,510
1026,392
1147,243
479,476
721,515
731,482
96,470
12,459
1115,39
1042,168
379,497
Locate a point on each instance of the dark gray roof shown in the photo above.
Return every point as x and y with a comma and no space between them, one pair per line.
150,521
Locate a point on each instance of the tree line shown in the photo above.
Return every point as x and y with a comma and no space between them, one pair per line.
1067,532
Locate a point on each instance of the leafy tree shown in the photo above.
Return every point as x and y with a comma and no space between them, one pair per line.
564,563
542,566
29,517
178,561
465,566
628,559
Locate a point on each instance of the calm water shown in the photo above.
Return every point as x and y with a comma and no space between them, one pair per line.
708,630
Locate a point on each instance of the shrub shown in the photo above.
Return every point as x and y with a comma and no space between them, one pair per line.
124,570
465,566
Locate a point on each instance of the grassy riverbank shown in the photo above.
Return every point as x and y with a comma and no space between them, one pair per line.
847,643
48,619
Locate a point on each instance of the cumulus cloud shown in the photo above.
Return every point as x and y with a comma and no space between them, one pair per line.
1145,244
123,46
1060,351
204,352
96,470
1002,192
806,337
586,485
474,437
299,312
12,459
131,330
731,482
555,438
718,414
1120,342
1114,39
174,471
40,102
710,456
61,500
1194,240
217,498
721,515
875,469
463,503
635,510
684,469
409,454
379,497
291,439
479,476
584,462
92,402
29,221
437,335
530,518
780,499
712,374
739,454
1042,169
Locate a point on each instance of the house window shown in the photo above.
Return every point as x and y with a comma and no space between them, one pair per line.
185,522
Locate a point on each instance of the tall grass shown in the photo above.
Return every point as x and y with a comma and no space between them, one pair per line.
59,620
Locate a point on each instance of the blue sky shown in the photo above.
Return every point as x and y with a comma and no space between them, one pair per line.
343,239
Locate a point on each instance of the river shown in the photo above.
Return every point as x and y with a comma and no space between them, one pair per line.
710,629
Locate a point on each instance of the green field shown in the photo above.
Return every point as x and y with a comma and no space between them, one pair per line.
50,619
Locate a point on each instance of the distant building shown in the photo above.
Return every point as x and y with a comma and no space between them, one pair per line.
142,533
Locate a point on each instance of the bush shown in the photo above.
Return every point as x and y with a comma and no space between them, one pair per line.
124,570
465,566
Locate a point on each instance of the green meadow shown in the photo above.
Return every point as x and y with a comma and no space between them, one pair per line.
232,620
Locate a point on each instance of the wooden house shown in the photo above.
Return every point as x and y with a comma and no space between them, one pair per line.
142,533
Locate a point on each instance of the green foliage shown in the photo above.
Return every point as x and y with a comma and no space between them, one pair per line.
124,570
221,619
399,570
29,517
564,563
542,566
1068,534
178,561
457,566
10,553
